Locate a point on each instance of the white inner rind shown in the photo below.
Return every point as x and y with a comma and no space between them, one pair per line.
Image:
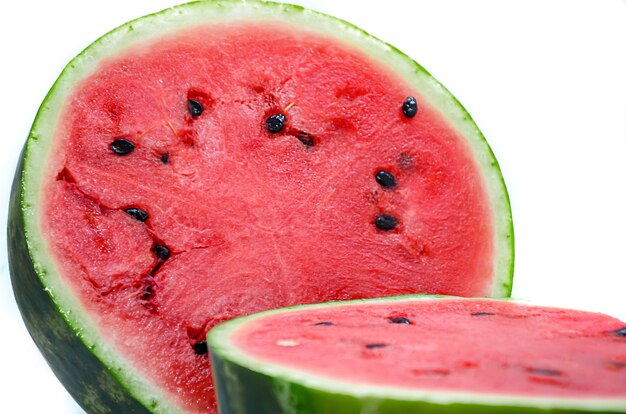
220,344
169,21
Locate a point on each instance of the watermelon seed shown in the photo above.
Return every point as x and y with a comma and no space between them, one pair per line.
386,222
323,324
409,107
386,179
165,158
375,345
137,213
162,252
201,347
305,138
122,146
482,314
195,108
399,320
545,372
275,123
620,332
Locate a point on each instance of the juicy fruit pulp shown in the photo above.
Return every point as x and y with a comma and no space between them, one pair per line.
253,219
422,354
456,345
174,181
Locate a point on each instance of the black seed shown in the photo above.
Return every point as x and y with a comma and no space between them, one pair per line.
386,179
544,371
201,348
195,108
482,314
324,324
386,222
165,158
375,345
137,213
409,107
162,252
305,138
275,123
399,320
122,146
620,332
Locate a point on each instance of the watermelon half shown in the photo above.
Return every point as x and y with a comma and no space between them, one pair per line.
226,157
420,354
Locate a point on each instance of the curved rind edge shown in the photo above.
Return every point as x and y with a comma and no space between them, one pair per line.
241,380
59,344
39,145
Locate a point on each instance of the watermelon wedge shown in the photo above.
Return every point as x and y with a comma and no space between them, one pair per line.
420,354
226,157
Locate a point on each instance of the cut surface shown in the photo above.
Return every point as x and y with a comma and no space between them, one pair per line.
244,164
418,345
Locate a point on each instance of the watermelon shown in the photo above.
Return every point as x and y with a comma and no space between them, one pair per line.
420,354
225,157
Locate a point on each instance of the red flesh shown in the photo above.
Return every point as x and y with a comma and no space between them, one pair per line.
519,350
254,220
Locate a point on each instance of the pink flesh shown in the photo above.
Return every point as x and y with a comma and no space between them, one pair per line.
254,220
519,350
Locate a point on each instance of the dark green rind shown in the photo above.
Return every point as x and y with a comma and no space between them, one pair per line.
248,385
244,391
68,357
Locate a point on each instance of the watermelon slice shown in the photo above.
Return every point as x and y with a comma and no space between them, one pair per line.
420,354
221,158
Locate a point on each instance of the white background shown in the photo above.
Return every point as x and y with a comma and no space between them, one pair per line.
544,80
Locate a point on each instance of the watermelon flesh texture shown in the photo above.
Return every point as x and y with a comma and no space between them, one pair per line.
252,219
443,346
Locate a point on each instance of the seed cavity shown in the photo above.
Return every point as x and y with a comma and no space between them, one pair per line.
375,345
406,161
616,365
195,108
275,123
386,179
137,213
323,323
122,146
386,222
399,320
433,371
409,107
148,292
201,347
305,138
482,314
165,158
162,252
620,332
544,372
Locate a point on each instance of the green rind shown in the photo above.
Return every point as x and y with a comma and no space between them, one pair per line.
245,391
28,253
247,385
66,354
